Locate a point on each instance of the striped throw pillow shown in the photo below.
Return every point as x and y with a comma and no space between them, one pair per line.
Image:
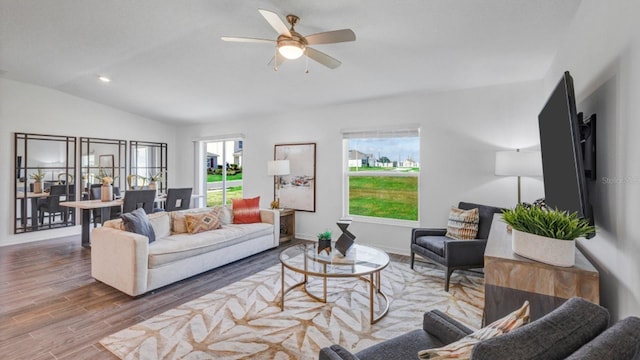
197,223
461,349
246,211
463,224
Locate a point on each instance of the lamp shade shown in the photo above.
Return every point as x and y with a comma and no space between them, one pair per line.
278,167
518,163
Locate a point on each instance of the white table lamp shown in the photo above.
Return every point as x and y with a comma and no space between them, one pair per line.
277,168
518,163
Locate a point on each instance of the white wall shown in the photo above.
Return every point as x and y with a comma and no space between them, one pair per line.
602,52
34,109
460,133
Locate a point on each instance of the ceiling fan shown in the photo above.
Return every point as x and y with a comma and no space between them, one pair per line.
291,45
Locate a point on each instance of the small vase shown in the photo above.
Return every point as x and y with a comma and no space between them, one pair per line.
106,192
324,245
37,187
152,185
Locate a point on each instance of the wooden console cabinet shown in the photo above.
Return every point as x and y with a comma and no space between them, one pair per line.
510,279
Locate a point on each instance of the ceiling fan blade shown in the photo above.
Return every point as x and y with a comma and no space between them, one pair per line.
246,39
331,37
322,58
274,20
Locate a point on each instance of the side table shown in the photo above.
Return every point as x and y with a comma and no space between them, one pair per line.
287,224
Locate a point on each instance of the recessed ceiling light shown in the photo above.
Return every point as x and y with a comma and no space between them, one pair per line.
104,78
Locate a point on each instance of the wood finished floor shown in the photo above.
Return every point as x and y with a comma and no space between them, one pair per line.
51,307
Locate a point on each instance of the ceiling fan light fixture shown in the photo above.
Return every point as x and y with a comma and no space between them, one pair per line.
290,49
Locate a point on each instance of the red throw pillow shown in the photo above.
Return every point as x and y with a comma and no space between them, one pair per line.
246,211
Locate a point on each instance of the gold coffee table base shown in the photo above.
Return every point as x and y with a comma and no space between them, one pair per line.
372,277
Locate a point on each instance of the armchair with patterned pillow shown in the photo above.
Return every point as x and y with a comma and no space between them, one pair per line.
458,246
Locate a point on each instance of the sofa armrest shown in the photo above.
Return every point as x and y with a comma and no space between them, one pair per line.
272,217
415,233
120,259
465,252
336,352
445,328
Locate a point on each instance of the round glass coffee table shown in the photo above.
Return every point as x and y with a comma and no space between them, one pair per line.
363,262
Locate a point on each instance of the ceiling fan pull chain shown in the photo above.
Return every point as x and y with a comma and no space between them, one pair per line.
306,71
275,58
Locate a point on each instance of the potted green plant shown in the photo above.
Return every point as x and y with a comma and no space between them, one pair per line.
546,235
155,178
38,178
324,241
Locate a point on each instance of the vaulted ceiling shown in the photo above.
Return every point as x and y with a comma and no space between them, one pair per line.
167,62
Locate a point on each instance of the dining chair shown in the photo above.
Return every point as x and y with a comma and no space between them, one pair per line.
134,199
178,199
51,204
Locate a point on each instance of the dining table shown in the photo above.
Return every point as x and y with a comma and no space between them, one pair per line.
34,197
87,206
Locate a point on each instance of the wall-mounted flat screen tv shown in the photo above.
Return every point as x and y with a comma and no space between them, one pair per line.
565,184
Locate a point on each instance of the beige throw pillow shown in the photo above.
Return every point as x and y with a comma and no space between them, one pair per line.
463,224
461,349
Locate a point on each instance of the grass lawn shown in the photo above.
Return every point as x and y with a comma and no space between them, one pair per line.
382,196
213,178
214,197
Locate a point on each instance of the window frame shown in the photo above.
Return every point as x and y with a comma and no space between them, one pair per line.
396,132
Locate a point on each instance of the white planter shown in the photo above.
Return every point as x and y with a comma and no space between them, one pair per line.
547,250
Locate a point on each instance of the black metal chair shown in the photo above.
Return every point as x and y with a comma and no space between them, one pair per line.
134,199
51,205
452,254
178,199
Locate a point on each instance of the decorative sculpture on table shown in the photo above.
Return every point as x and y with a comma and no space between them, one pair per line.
346,240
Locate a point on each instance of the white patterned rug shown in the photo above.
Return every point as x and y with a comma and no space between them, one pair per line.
244,320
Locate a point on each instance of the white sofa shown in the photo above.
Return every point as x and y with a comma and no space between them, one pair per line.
127,262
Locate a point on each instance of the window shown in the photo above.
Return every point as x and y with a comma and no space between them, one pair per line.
382,170
224,171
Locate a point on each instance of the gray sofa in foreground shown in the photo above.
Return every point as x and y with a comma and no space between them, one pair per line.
575,330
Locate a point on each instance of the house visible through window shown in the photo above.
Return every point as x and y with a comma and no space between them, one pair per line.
382,170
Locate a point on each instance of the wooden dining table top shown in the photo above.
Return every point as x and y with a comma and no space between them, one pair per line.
97,203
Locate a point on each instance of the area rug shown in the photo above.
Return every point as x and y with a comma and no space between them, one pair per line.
244,320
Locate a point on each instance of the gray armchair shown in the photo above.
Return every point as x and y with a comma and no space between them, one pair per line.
454,254
575,330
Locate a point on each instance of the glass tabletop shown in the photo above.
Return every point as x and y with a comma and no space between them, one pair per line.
307,259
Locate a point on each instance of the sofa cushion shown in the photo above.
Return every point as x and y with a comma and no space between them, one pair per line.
462,224
197,223
435,244
159,222
179,222
554,336
461,349
405,346
137,222
246,211
225,214
181,246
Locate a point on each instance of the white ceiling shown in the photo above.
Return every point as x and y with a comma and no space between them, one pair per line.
167,62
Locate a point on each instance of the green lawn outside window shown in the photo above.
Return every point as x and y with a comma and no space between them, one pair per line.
391,197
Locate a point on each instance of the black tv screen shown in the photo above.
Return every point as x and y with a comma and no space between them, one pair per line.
564,177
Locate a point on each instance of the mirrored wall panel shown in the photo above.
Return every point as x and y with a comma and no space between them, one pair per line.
44,175
147,166
100,158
